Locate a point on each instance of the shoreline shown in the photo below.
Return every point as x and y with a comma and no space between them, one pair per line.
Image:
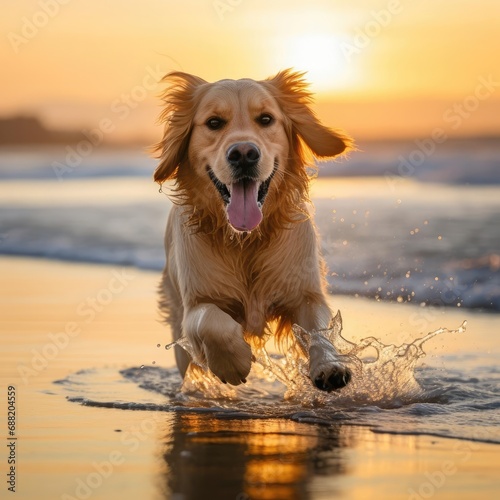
104,289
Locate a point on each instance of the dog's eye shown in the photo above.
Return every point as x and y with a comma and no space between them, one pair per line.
265,119
215,123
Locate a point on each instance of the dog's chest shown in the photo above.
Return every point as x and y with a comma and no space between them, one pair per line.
273,275
253,283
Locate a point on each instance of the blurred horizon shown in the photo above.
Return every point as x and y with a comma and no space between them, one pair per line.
379,69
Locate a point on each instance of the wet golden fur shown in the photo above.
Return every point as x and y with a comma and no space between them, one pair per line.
220,286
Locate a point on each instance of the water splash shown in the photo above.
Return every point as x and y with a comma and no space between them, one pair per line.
387,381
388,392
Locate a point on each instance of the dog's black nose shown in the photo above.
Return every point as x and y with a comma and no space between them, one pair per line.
243,157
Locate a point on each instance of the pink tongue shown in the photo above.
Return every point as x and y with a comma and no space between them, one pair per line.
243,212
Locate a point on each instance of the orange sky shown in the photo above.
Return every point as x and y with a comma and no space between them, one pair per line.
380,68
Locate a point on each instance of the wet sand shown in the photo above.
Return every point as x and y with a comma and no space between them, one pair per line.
58,318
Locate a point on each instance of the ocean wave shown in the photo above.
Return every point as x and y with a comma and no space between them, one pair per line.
420,252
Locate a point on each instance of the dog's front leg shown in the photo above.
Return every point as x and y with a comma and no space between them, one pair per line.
218,341
326,370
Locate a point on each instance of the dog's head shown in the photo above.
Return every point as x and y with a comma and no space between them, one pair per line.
238,148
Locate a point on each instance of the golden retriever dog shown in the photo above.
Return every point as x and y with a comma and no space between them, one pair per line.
243,257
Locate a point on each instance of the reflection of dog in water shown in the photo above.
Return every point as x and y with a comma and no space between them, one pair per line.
242,251
246,459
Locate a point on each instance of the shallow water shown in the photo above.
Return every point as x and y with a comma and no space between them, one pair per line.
390,391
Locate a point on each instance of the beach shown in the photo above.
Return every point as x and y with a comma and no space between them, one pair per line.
63,320
395,115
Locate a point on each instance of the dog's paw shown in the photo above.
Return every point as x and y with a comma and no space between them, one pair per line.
230,361
336,377
326,370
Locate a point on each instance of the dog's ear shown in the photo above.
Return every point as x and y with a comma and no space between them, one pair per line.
180,105
291,91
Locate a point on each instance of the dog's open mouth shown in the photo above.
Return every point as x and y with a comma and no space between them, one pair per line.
243,199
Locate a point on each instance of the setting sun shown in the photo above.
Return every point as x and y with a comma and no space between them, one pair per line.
320,55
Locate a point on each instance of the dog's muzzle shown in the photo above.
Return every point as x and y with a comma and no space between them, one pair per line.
243,198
